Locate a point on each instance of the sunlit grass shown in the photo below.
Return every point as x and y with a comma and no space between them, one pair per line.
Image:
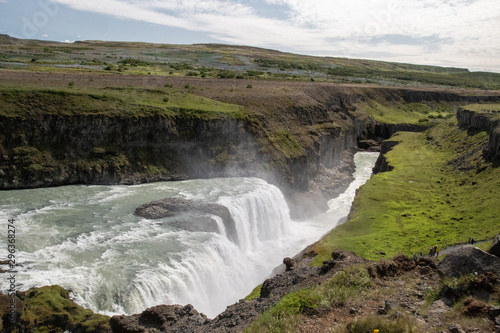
434,196
16,101
349,284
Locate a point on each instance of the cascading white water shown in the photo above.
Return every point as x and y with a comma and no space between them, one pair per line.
261,215
87,239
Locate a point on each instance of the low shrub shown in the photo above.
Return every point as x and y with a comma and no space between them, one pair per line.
401,324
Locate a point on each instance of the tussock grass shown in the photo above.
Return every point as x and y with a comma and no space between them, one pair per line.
351,283
255,293
403,324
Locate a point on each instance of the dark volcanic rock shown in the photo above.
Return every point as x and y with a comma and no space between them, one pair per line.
382,165
495,248
338,256
385,131
394,267
289,263
161,318
239,316
169,206
468,260
174,206
485,122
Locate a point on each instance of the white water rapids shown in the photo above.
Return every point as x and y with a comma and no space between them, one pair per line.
87,239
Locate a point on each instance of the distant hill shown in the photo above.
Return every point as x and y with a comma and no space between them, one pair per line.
228,61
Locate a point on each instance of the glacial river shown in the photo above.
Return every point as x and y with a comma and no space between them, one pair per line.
88,240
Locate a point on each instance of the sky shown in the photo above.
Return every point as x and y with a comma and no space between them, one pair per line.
450,33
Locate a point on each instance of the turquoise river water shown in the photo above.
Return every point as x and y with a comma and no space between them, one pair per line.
88,240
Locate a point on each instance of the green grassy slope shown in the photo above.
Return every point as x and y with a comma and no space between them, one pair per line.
24,102
441,192
386,112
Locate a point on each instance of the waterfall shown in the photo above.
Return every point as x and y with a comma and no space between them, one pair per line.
87,239
213,271
260,215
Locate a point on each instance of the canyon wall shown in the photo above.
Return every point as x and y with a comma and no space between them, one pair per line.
305,147
49,150
483,121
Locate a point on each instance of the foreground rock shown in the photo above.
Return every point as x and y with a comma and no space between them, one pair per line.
162,318
495,247
468,260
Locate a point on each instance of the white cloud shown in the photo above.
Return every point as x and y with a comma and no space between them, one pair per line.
4,1
452,33
45,35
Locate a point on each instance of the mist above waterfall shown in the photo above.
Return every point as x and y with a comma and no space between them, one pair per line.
87,239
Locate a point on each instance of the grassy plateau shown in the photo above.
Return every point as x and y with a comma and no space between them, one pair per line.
227,62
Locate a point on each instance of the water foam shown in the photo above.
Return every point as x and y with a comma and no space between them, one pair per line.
88,240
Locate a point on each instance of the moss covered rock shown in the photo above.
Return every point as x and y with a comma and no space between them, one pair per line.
49,309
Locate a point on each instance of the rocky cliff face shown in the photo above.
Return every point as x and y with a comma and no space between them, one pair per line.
489,122
384,131
57,150
49,150
382,165
304,146
412,96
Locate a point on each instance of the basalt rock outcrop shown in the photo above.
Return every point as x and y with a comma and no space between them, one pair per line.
197,219
170,206
381,165
162,318
483,121
495,247
96,149
468,260
384,131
